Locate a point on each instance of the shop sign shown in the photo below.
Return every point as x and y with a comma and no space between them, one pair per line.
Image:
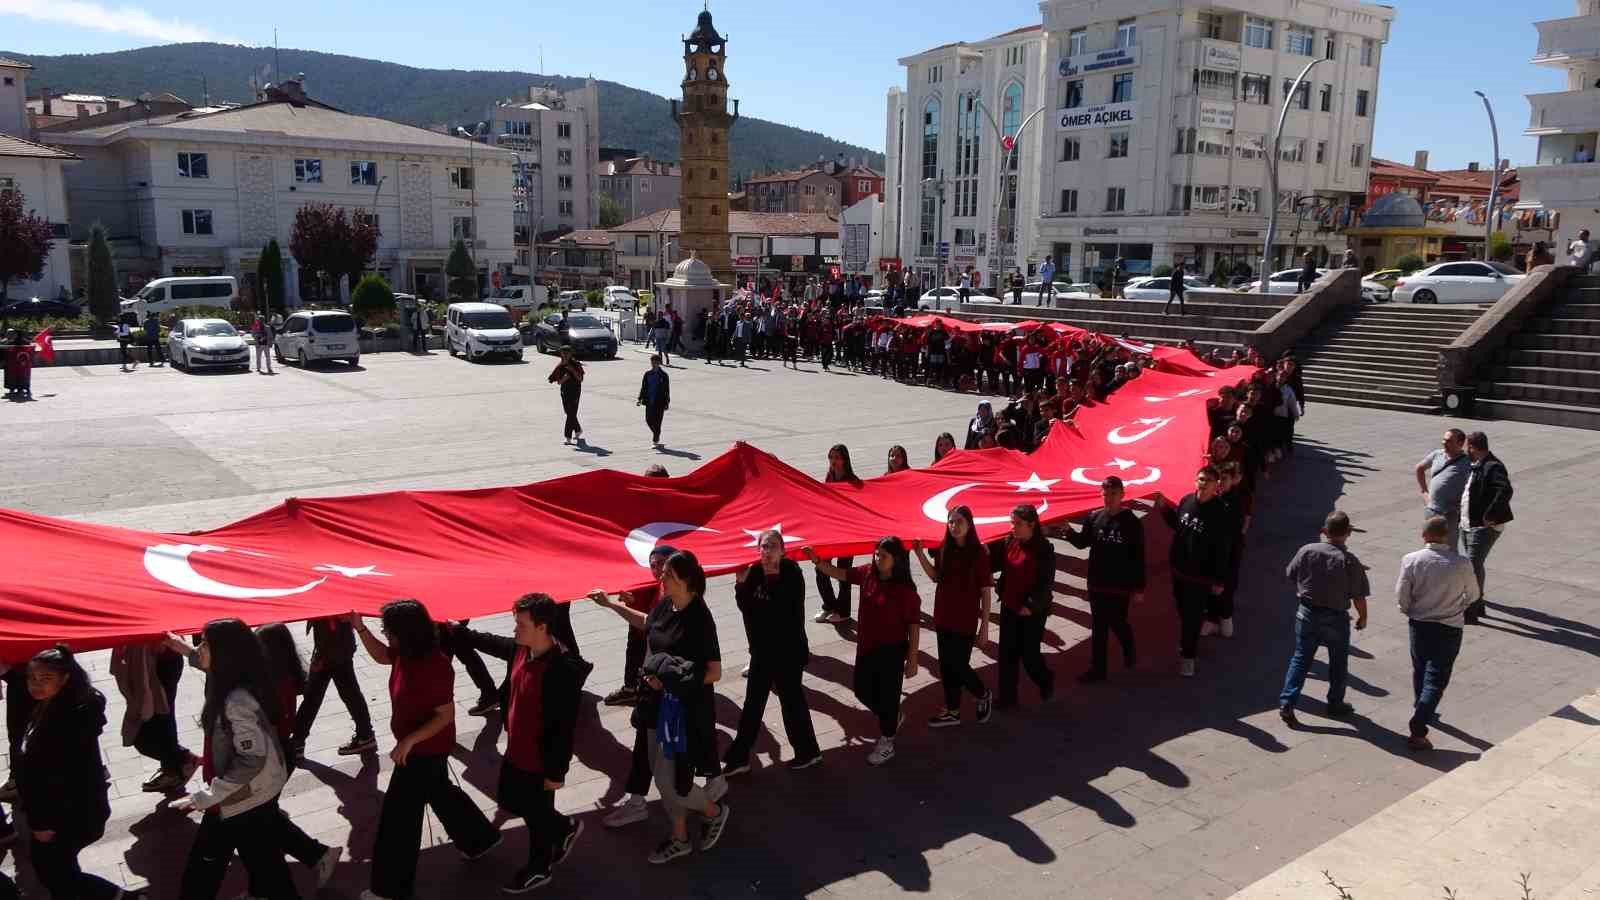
744,261
1115,58
1092,232
1216,115
889,264
1104,115
1220,56
1242,232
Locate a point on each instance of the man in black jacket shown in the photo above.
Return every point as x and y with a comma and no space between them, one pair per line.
1115,538
1201,542
655,395
1488,510
1175,287
543,685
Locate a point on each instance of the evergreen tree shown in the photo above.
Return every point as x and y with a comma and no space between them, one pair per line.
463,273
103,300
373,299
270,270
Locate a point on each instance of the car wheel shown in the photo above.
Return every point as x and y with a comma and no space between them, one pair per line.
353,361
1424,296
184,364
304,363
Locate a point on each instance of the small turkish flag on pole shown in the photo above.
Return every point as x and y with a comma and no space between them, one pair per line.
44,347
1008,142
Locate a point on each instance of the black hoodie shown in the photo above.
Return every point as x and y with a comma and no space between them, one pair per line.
61,782
559,698
1201,540
1116,551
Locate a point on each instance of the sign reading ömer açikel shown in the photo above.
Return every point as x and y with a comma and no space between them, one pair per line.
1104,115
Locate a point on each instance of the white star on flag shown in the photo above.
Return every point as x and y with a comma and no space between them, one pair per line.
756,533
1123,464
1034,483
352,571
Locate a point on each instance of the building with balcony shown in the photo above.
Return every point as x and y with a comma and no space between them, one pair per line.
579,260
1161,129
198,193
943,185
1564,178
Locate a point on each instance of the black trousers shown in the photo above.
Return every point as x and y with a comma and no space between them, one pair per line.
127,355
153,351
467,655
827,354
652,417
1020,640
254,836
523,795
569,404
1191,598
1220,606
784,680
158,735
839,603
639,774
633,659
1108,615
56,864
879,675
955,668
423,782
1171,296
343,676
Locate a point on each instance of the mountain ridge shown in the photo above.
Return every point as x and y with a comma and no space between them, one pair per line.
629,117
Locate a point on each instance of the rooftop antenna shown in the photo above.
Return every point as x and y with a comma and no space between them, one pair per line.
541,59
205,92
276,75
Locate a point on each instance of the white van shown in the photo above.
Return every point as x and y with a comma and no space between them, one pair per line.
168,294
316,334
477,330
520,297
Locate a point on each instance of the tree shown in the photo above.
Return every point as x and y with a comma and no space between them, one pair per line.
102,277
610,212
269,268
463,274
326,241
25,242
1161,271
1500,247
373,299
1409,263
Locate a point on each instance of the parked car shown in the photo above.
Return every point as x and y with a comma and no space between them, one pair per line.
1286,281
1457,282
572,301
36,308
1157,287
520,297
1033,293
478,330
585,334
317,334
622,299
949,298
196,343
168,294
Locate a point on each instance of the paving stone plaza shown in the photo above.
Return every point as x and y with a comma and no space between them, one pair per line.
1148,786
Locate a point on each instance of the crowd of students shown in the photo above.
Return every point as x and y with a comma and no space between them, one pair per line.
261,701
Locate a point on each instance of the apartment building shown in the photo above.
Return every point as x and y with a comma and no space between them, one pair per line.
1564,178
639,185
555,137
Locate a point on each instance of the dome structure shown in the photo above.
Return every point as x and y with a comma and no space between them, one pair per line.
693,273
1394,211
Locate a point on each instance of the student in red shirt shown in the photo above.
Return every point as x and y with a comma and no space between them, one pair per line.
289,678
1027,565
423,719
543,685
887,629
960,613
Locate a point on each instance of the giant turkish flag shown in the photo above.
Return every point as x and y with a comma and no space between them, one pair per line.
468,553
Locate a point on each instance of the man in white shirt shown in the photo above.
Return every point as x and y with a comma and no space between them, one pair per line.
1578,251
1436,586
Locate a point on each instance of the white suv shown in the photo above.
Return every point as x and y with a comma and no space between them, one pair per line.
317,334
477,330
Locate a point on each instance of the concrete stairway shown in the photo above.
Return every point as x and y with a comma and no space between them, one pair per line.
1218,319
1549,373
1382,355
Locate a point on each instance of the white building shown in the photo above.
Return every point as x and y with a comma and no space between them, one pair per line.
556,135
203,193
943,169
14,97
35,171
1567,124
861,237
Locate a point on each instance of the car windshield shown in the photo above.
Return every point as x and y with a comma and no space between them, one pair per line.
584,322
339,324
1503,269
487,320
211,329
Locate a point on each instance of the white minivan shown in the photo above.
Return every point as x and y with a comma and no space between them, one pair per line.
520,297
477,330
317,334
168,294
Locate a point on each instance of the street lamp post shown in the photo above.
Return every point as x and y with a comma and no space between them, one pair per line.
472,138
1494,182
1272,175
1005,160
935,187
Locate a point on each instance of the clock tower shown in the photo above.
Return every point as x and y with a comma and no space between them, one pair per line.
703,125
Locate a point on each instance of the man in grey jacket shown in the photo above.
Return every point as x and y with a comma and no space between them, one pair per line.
1435,588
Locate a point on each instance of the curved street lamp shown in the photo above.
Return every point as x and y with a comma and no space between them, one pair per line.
1494,181
1272,175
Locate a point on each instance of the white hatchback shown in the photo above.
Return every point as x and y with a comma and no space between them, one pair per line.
195,343
1457,282
313,335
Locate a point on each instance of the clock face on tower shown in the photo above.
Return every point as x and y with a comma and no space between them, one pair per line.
694,74
711,73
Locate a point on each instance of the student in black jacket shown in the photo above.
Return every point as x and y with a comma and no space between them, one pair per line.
1114,537
543,686
771,595
1200,546
1027,565
1488,511
62,784
333,651
655,395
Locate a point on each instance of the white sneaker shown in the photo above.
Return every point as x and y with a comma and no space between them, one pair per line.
634,810
1208,629
882,752
1227,628
1186,668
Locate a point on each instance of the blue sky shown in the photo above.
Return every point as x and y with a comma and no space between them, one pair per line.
817,67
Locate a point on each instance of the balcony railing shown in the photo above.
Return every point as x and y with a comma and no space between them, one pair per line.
1564,111
1576,38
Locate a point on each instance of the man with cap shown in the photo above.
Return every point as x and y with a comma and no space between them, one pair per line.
1328,579
1436,587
